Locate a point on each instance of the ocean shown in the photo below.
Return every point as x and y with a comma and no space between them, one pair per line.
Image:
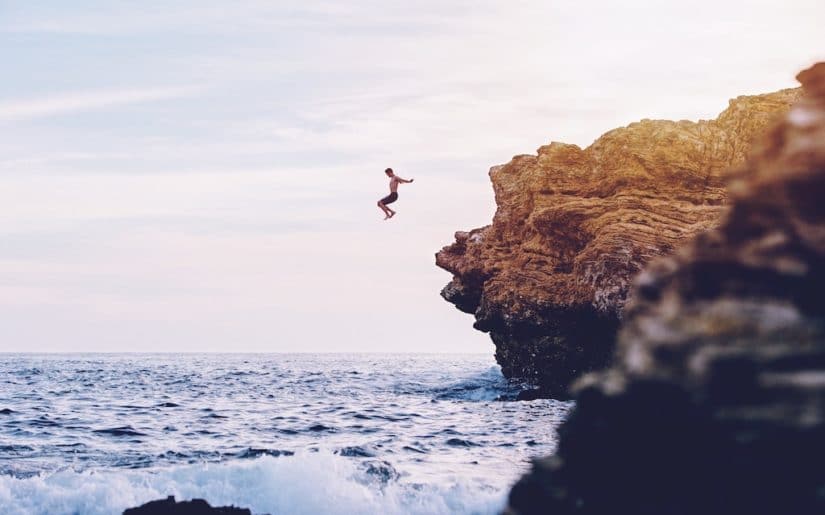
276,433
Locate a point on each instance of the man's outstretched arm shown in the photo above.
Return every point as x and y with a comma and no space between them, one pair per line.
404,180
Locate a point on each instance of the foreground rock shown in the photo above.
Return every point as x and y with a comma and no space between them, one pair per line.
168,506
716,401
549,278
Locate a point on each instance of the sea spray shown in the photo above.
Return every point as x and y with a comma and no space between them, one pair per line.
308,483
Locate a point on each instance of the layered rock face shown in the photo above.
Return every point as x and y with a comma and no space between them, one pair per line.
550,277
716,401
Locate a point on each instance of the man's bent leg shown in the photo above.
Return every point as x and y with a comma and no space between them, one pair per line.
385,209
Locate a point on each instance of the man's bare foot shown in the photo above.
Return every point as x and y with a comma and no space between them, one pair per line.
388,217
392,214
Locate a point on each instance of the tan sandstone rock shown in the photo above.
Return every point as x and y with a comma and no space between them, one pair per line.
549,278
715,402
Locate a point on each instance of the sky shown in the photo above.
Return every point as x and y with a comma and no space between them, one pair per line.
202,175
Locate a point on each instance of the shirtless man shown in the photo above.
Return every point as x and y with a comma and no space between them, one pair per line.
393,196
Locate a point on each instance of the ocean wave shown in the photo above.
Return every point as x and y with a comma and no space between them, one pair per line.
489,385
119,431
412,433
303,484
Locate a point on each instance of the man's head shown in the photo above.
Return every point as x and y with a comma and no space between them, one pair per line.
389,172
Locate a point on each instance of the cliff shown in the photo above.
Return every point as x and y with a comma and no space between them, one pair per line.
715,403
549,278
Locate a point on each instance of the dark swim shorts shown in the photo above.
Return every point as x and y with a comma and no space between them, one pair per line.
389,199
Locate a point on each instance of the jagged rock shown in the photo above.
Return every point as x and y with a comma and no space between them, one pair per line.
716,401
168,506
549,278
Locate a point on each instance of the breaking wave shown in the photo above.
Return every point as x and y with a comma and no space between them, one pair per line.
308,483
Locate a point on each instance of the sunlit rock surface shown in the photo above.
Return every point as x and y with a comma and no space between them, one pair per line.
715,403
550,277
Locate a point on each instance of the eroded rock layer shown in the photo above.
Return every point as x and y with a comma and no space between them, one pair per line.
716,401
549,278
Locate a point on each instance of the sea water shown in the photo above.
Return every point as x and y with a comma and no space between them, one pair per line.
276,433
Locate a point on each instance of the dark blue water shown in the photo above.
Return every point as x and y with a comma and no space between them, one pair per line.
320,433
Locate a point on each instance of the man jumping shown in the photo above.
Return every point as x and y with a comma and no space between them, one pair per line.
393,196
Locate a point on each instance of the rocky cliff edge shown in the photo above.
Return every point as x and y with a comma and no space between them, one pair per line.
549,279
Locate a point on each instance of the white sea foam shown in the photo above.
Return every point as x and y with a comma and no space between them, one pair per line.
308,483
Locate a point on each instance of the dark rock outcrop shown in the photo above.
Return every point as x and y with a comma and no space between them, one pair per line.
549,278
715,403
168,506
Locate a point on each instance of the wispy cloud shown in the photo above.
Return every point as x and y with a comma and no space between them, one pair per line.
27,109
118,18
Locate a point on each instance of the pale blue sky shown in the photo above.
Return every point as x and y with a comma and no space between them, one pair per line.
202,175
